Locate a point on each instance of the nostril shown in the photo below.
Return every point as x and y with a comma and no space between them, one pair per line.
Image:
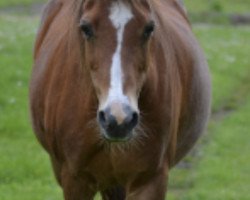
135,118
102,117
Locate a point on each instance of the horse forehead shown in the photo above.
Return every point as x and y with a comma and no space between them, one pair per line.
120,14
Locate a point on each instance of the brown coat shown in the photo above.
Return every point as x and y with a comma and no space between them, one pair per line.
174,103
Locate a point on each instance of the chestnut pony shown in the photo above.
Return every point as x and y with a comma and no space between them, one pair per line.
120,92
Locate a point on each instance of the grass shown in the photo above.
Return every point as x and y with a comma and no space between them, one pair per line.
220,169
226,6
24,169
223,173
199,11
9,3
217,11
227,50
194,6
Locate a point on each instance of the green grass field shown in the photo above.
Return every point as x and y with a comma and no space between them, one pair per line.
227,6
24,169
219,169
8,3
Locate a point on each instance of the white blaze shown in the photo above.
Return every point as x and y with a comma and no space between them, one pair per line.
120,15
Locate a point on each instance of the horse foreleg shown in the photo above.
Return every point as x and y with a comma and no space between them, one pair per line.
154,189
117,193
76,188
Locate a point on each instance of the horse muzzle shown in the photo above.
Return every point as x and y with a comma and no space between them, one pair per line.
118,122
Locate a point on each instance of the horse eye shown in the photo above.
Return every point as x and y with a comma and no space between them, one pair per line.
87,30
148,30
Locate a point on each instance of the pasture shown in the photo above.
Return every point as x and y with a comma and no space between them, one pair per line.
218,168
227,6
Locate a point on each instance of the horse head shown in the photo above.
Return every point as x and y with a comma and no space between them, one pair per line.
117,39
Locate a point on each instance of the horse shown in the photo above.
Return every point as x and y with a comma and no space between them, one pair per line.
119,94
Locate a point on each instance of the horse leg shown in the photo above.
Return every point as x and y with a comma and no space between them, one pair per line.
117,193
154,189
76,188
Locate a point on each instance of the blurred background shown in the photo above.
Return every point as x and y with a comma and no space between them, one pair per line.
218,167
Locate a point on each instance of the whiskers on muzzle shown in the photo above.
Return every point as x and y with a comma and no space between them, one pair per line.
139,136
136,141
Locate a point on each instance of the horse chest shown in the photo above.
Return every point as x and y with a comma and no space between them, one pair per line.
111,165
